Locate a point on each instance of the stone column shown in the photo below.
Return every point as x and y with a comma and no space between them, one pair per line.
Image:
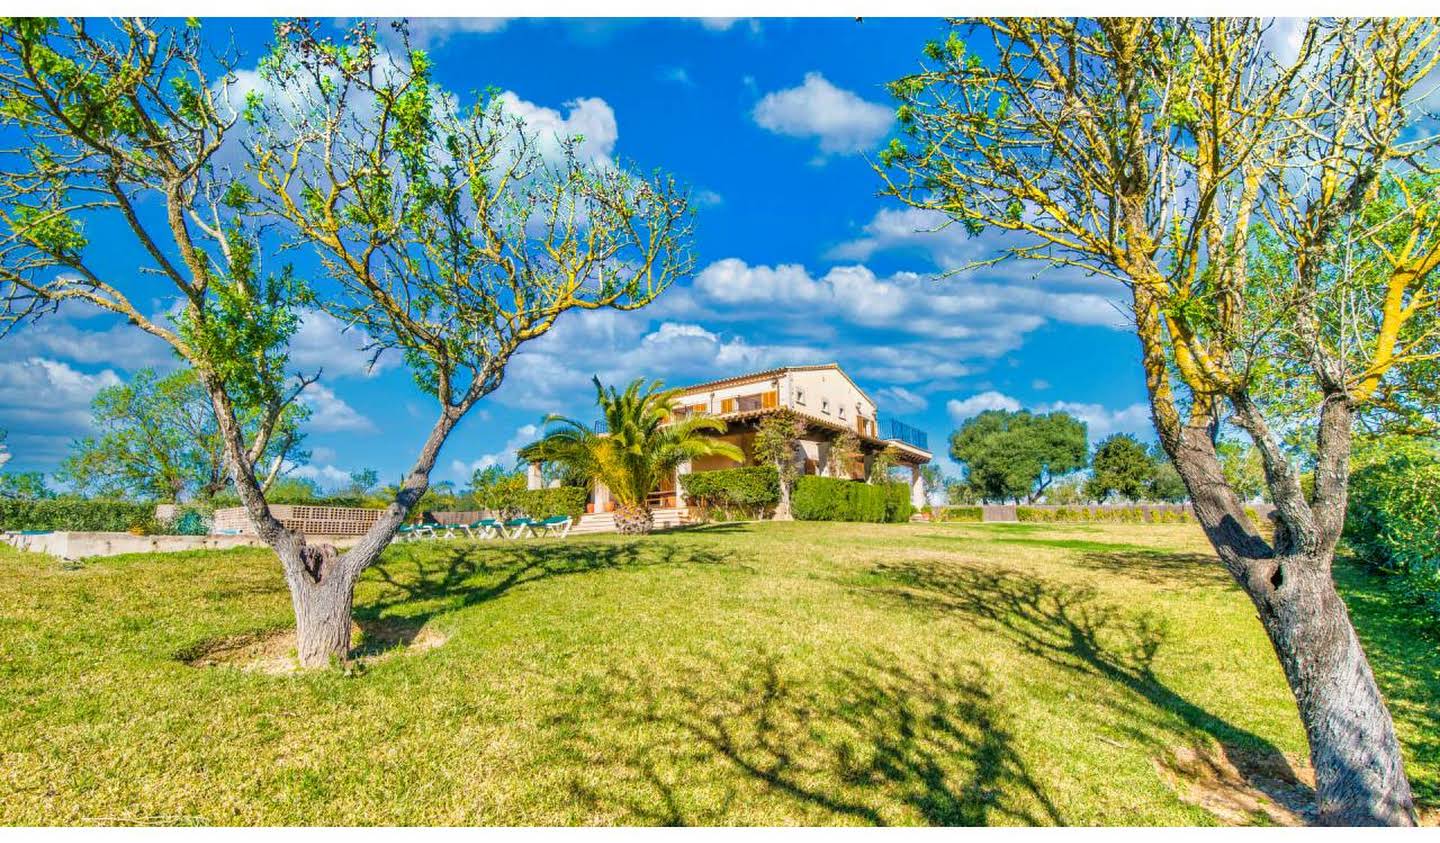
602,497
532,477
680,471
917,488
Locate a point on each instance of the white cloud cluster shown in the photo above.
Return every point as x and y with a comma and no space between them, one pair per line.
505,457
325,343
1100,421
591,118
841,121
898,399
554,371
326,476
44,403
329,413
975,318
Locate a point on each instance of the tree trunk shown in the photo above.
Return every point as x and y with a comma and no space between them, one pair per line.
322,592
782,509
1359,770
633,519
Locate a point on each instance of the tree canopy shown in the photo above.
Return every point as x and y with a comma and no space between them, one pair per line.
158,439
1121,466
1014,455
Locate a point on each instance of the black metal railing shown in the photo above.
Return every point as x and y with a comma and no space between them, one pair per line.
908,434
601,426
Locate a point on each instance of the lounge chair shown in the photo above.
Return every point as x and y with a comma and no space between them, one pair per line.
485,528
415,532
516,528
555,525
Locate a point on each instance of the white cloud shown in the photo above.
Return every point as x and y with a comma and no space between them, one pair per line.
327,476
962,409
898,399
1100,421
553,372
83,334
707,199
505,457
329,413
718,24
841,120
974,318
45,403
325,343
589,117
428,33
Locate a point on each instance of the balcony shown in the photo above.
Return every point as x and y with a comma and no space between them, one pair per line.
903,432
746,403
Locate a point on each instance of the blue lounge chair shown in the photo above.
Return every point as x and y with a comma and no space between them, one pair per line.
485,528
555,525
517,528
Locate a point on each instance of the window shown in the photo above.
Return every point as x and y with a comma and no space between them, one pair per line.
842,411
825,405
799,395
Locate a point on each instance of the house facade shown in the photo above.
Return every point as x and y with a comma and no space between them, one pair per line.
823,395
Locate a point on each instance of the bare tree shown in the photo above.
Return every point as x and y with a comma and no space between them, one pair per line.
1172,156
447,232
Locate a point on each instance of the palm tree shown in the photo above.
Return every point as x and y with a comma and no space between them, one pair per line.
640,444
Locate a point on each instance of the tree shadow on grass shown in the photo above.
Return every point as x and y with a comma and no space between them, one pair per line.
1069,627
875,744
1158,567
423,582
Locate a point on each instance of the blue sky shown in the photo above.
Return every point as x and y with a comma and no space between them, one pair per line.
798,260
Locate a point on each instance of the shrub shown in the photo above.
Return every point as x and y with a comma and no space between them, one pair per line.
561,500
749,490
959,513
837,499
76,514
190,522
1393,522
820,498
898,507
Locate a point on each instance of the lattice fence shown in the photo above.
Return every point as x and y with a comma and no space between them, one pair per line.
310,520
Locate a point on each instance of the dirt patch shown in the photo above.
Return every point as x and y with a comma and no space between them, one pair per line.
1242,786
270,652
274,652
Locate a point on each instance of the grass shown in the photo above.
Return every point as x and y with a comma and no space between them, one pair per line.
756,674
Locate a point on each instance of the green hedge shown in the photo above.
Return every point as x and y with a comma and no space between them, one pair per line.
746,492
1393,522
837,499
958,513
77,514
1113,515
544,503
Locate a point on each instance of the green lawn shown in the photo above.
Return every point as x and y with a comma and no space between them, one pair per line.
754,674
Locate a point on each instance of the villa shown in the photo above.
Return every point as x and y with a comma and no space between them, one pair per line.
823,395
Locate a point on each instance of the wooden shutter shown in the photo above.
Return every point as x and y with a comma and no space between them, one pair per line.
727,405
770,400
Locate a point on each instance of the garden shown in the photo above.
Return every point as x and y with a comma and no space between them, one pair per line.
770,673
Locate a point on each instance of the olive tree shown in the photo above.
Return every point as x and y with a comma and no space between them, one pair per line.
1230,190
447,232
